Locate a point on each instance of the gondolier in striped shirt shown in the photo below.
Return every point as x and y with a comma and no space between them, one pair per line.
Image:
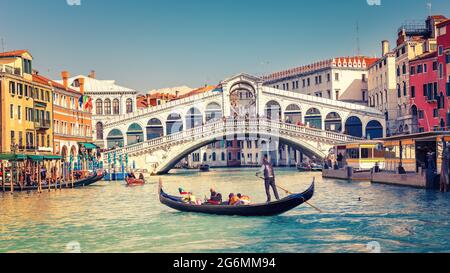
269,178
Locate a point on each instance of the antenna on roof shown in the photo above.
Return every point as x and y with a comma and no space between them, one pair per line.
3,45
358,46
429,7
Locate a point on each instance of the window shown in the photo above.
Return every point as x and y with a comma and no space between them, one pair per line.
419,69
12,87
99,107
435,113
336,76
107,107
328,77
435,66
405,92
399,91
304,82
309,82
447,58
425,68
398,71
441,50
404,69
421,114
11,111
19,112
13,138
441,71
413,70
425,90
413,91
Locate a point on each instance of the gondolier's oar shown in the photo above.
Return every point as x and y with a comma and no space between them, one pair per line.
290,193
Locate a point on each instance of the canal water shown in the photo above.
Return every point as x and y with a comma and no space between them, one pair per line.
110,217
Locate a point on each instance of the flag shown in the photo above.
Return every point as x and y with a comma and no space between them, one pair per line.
80,101
88,103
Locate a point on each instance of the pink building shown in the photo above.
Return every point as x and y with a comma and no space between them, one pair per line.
443,42
424,92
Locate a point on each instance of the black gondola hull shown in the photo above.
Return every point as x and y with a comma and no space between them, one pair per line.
270,209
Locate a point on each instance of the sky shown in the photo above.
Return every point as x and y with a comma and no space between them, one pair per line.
163,43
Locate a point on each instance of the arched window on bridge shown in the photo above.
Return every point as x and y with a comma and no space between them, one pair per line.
174,124
205,157
273,111
129,104
353,127
222,156
333,122
135,134
115,139
293,114
194,118
116,107
313,118
99,130
214,156
213,112
374,130
155,129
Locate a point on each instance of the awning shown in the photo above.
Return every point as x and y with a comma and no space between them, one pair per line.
52,157
88,145
13,157
36,158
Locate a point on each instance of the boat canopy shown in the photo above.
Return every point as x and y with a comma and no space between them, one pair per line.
88,145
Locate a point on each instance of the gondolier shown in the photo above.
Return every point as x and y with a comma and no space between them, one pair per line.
269,178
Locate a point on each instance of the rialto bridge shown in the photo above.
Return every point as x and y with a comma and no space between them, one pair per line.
159,137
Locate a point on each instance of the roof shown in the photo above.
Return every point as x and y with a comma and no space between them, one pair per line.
95,85
15,53
443,23
358,62
426,55
198,91
43,80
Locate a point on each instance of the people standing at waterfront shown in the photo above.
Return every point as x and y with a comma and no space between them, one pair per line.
445,169
340,158
269,178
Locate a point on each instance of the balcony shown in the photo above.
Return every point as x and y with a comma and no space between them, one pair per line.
10,70
42,125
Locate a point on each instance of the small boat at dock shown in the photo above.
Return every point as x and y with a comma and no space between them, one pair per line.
204,168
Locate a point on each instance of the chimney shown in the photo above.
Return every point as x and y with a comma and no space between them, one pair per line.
81,82
65,76
385,48
92,75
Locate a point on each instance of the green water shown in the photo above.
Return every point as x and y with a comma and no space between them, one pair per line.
110,217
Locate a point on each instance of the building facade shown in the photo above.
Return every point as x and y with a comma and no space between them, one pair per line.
109,101
343,79
443,43
414,39
26,106
382,87
426,100
72,120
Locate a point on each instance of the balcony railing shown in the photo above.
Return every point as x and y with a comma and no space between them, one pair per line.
10,70
43,124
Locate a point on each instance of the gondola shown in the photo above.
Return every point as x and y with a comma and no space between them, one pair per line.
77,184
267,209
204,168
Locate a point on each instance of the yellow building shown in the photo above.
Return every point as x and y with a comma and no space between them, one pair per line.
26,106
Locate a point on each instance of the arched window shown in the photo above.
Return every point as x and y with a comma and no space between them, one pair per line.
129,106
99,107
116,107
99,130
214,156
107,107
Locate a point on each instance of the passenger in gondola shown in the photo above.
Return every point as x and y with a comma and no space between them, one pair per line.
233,200
131,175
216,198
141,177
244,200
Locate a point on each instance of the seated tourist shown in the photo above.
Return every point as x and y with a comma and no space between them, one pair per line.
131,176
141,177
215,199
244,200
233,200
